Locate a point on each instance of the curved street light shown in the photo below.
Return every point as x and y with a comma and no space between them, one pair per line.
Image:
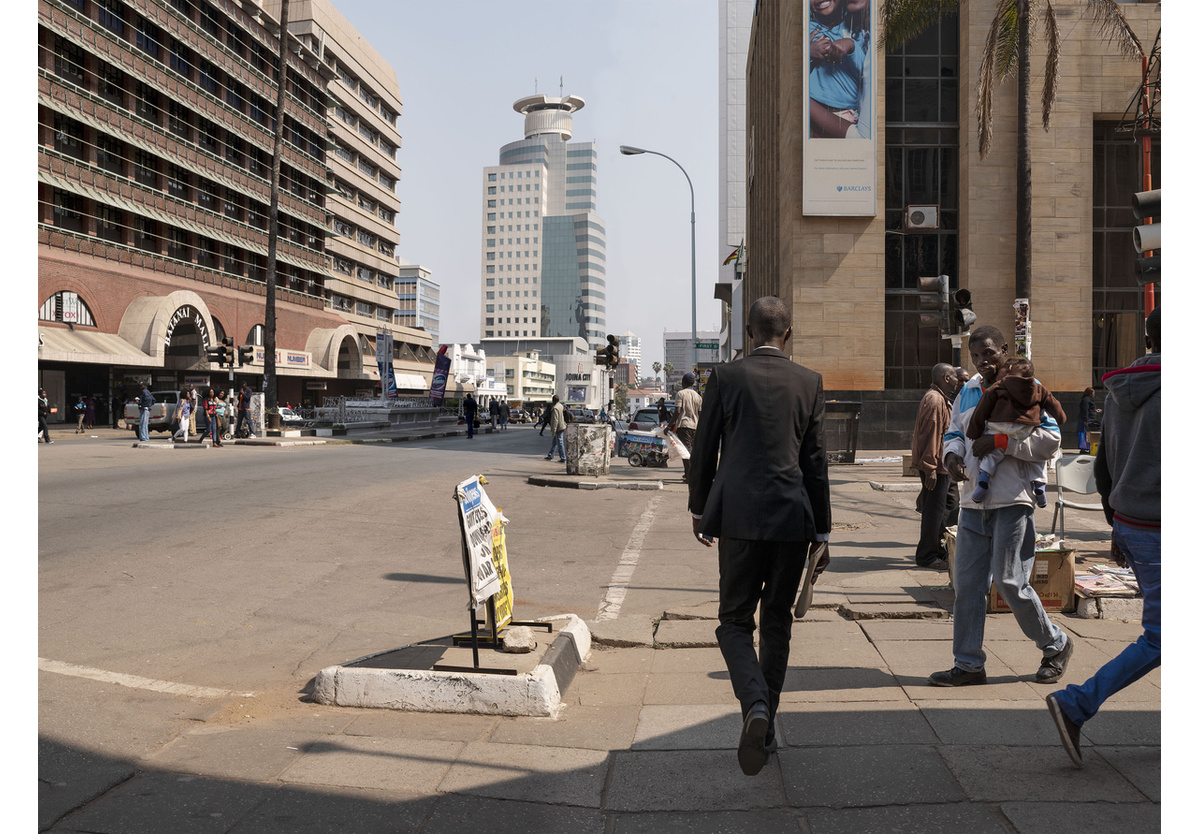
630,150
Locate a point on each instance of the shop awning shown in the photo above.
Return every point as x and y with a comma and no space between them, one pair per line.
57,344
411,382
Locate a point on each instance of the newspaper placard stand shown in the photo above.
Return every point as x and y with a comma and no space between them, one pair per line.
491,624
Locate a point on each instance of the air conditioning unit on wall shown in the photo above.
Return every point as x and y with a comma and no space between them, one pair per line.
921,217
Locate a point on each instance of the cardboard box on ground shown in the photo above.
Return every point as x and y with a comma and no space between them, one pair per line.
1053,578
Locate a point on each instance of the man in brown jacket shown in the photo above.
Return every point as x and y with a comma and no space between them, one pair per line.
938,501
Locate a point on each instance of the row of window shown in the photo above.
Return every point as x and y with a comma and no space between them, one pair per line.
520,187
363,273
365,131
116,157
364,165
370,99
363,201
71,63
74,213
514,175
118,88
364,237
344,304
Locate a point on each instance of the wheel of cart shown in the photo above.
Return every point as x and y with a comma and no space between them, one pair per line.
636,459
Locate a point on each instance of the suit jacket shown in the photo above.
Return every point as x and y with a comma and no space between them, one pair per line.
758,468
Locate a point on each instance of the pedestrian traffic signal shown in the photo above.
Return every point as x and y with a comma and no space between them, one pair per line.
934,302
964,316
1147,238
245,355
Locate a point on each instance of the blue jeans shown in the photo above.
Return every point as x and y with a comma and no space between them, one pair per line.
143,424
558,443
1143,548
997,545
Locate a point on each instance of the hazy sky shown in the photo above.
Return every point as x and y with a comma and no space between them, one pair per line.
647,70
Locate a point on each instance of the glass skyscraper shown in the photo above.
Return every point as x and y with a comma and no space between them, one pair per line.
543,263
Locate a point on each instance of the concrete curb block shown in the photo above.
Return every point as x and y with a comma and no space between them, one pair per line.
537,693
592,485
875,485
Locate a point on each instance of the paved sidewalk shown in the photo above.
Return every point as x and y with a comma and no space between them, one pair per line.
646,741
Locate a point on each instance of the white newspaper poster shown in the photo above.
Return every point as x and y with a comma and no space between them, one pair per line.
478,515
840,126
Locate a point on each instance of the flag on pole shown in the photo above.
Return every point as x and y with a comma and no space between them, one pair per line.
732,256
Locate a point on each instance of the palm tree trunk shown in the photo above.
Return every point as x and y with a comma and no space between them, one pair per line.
1024,264
270,381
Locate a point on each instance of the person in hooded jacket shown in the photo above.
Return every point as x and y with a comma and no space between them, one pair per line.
1128,471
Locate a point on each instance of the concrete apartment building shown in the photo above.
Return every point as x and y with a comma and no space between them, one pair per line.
154,152
542,269
364,138
852,280
631,350
526,377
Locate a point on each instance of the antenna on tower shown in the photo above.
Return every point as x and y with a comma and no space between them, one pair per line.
535,84
560,87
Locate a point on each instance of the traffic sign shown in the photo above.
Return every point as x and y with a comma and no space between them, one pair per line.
707,345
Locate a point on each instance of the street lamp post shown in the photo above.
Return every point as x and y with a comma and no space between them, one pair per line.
629,150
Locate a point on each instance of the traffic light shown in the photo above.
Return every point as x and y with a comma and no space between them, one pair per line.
964,316
608,357
1147,238
245,355
213,355
225,352
934,302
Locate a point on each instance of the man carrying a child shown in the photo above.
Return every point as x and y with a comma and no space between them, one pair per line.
995,539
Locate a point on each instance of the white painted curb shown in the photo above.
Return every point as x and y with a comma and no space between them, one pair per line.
537,693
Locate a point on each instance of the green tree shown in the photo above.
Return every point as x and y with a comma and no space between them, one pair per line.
657,366
621,398
1007,51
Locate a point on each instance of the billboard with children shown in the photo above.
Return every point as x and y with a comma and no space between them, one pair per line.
840,125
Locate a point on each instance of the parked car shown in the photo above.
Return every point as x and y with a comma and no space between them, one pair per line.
583,415
647,418
161,412
290,418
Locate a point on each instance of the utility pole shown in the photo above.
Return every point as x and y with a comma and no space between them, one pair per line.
270,383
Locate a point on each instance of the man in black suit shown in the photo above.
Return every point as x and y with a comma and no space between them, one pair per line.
767,501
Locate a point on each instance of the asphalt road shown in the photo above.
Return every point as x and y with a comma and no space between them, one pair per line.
249,569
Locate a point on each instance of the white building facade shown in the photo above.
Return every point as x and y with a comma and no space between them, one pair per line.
543,245
631,349
419,300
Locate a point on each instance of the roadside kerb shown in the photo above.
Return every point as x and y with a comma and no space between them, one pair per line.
563,483
535,693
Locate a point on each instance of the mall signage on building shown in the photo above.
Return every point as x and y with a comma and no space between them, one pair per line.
840,125
187,313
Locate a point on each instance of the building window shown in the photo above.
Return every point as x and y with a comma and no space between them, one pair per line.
66,307
68,136
112,15
68,210
179,120
232,205
178,182
145,234
148,37
146,103
68,60
110,223
208,75
207,253
209,136
233,260
111,84
145,168
206,194
921,167
181,58
178,244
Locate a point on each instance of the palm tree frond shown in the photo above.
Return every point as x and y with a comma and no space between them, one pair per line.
1006,44
987,72
1115,28
1050,84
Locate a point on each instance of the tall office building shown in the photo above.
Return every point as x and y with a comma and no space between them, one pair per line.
419,301
543,262
631,349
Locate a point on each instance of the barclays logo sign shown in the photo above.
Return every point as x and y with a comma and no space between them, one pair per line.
854,188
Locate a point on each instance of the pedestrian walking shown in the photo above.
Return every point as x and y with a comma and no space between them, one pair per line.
995,539
89,412
493,412
183,413
469,409
558,431
210,411
1013,406
145,401
1128,472
686,417
118,407
243,411
938,500
225,409
544,420
664,414
80,413
44,415
759,484
505,413
1086,419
